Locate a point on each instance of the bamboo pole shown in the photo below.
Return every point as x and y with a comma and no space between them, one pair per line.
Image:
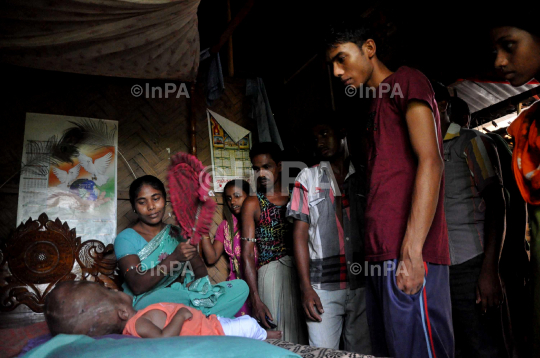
230,62
193,120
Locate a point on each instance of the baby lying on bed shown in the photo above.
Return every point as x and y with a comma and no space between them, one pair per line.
81,307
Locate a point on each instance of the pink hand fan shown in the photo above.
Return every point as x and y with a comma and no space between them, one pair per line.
189,185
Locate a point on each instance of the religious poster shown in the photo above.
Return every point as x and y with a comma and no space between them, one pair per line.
69,172
230,145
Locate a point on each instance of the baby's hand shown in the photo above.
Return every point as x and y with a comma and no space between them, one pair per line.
184,312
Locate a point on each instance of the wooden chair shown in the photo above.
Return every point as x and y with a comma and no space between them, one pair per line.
38,255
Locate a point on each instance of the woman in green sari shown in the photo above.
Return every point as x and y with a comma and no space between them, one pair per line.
159,265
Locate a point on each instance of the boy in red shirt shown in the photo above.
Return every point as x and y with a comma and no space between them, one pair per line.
409,309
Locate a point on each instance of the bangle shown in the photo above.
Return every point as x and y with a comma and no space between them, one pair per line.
249,239
133,267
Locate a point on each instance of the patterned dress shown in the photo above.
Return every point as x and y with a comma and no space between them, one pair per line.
273,232
277,281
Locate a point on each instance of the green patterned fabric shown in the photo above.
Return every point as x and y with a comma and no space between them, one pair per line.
224,299
162,245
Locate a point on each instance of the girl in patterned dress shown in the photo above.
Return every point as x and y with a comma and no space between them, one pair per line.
228,235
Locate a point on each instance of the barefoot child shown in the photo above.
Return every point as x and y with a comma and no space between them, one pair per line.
80,307
228,235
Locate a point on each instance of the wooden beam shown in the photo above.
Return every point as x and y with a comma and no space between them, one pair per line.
230,62
10,189
193,120
232,25
122,194
330,83
301,69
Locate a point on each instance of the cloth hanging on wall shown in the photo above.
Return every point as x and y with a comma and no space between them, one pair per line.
261,111
122,38
213,76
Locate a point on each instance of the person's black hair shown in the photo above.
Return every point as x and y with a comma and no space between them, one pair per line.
524,20
335,120
138,183
237,183
460,110
342,32
270,148
441,91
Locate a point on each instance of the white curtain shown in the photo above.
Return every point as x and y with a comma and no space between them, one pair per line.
123,38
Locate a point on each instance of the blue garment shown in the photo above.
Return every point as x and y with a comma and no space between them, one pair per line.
405,326
224,298
128,242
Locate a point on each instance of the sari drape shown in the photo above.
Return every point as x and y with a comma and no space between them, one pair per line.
224,299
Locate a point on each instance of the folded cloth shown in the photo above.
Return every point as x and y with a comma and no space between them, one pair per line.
201,291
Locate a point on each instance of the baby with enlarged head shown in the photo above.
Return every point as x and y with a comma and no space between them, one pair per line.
81,307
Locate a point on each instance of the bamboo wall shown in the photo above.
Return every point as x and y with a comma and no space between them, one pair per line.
150,130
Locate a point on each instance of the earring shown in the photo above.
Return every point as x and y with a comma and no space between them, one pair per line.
135,211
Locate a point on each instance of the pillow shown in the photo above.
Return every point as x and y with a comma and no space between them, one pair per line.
69,346
36,342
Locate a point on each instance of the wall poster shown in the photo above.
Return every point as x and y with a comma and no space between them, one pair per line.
230,145
69,172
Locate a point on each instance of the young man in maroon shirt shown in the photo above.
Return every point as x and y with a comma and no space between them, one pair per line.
406,243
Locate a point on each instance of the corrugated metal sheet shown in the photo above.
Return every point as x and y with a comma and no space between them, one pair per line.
480,95
502,122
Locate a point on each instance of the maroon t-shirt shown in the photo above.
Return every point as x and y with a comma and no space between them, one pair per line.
391,171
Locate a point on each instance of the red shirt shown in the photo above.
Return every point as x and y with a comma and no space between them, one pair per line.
198,325
391,171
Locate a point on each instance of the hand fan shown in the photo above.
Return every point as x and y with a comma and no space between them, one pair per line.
189,186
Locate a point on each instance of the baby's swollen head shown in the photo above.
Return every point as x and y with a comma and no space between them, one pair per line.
82,307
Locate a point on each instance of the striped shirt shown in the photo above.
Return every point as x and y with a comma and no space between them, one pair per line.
471,164
333,248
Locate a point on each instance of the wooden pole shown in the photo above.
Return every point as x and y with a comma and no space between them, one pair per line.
301,69
230,62
331,88
232,25
193,120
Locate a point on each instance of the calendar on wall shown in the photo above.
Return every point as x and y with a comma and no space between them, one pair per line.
230,145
